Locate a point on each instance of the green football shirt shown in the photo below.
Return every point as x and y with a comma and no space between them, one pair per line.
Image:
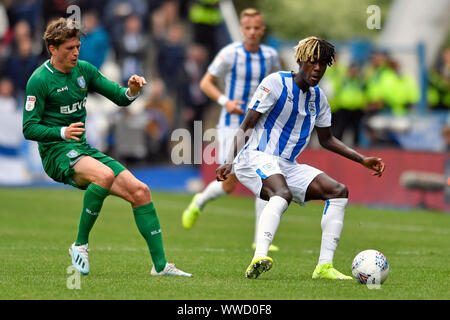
55,99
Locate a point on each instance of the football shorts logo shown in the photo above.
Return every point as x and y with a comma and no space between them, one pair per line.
30,103
81,82
72,154
268,167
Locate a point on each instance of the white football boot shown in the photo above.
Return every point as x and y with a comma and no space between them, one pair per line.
170,270
79,256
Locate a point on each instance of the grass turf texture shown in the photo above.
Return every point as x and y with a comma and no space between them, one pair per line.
38,225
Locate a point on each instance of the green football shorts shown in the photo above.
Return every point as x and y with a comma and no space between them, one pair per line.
59,159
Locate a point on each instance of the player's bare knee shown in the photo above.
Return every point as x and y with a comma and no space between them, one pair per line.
340,191
104,177
141,195
285,193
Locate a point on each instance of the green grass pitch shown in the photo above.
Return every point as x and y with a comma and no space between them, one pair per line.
38,225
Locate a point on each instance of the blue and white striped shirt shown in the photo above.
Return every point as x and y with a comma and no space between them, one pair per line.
242,72
288,116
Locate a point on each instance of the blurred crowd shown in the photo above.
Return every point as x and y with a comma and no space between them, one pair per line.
171,43
359,92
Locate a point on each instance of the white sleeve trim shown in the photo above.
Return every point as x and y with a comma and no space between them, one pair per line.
63,133
222,100
131,98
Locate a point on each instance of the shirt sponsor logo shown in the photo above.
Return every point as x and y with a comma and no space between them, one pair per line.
30,103
63,89
73,108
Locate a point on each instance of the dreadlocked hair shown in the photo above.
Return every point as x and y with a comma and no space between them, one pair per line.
313,49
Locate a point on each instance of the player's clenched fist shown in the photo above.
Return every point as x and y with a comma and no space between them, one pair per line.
135,84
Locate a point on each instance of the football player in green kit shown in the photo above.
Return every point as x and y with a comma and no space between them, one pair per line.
54,115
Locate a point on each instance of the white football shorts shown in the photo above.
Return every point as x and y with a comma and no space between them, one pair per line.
225,137
252,167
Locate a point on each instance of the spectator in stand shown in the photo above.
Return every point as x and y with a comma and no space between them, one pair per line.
171,56
439,83
159,111
21,65
29,10
164,14
8,103
208,25
400,90
116,12
350,100
194,100
21,31
377,77
375,71
95,44
131,48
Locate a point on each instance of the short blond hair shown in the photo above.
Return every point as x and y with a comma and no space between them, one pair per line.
250,12
59,30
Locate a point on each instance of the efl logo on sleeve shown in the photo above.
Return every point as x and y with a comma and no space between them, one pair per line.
262,93
30,102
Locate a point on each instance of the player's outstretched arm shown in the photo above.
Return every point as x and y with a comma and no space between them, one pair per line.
329,142
121,96
240,139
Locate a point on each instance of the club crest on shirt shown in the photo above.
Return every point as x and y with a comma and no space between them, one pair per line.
30,102
312,108
72,154
81,82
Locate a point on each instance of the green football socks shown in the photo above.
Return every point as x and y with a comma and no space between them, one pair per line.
148,224
92,204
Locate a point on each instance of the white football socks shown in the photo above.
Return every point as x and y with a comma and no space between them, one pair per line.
332,223
260,204
268,224
211,192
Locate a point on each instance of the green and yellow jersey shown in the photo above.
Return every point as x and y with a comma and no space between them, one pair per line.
55,100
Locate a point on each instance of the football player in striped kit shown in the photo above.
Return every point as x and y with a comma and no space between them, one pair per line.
242,66
284,110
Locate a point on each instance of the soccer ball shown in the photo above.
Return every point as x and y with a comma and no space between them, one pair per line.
370,267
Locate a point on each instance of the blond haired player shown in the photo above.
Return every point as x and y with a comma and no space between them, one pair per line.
242,66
